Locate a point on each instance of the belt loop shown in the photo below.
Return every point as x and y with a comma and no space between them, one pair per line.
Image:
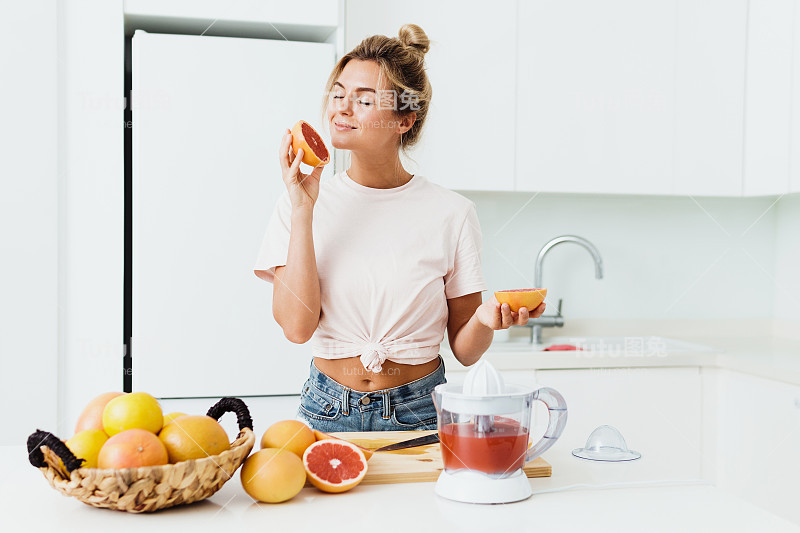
387,412
345,401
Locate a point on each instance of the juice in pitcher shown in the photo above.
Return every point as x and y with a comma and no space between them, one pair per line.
500,451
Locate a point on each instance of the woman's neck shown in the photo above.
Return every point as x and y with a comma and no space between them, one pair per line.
377,172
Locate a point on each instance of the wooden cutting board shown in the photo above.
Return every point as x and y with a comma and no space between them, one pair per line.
410,465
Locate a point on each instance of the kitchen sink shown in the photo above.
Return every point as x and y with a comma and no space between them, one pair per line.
644,345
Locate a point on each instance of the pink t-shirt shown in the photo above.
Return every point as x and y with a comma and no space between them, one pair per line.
387,261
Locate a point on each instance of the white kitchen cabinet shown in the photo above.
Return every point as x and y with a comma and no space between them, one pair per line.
596,96
759,438
658,411
768,97
208,116
709,96
467,140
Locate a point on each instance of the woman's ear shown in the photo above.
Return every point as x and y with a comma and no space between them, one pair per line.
405,122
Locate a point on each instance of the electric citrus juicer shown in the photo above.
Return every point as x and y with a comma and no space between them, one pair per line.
484,428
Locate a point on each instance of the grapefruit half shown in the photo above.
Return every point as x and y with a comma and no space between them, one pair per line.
334,465
321,435
516,298
314,151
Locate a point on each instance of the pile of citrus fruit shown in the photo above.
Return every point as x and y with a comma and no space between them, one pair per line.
292,452
129,430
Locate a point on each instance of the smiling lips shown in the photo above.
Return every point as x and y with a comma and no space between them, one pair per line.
344,125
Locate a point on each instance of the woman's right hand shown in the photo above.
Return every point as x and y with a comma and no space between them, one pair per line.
303,188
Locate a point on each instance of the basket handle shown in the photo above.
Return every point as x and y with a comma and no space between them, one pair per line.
44,438
234,405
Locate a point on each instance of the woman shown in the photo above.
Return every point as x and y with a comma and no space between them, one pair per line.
375,263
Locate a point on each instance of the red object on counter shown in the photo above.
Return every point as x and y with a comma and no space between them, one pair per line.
561,348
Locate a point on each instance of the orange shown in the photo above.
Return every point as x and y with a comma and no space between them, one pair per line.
321,435
86,445
137,410
516,298
291,435
193,437
314,151
334,465
272,475
92,415
172,416
132,448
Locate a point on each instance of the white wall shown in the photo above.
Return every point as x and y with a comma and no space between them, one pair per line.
92,237
664,257
62,210
29,214
787,262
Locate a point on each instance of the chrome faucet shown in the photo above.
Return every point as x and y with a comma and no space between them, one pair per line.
557,320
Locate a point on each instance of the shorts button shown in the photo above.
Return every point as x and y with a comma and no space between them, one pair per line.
365,400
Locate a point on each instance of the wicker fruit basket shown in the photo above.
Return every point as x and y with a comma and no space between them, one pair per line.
144,489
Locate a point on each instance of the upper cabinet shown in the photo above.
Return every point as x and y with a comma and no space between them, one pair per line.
623,97
595,93
768,97
631,97
709,96
467,141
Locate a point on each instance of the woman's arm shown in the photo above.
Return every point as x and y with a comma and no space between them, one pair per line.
296,295
471,324
469,339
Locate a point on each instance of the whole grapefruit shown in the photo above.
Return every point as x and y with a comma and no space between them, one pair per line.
272,475
291,435
137,410
86,445
92,415
132,448
193,437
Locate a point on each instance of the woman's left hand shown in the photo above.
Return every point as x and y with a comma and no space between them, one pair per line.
496,316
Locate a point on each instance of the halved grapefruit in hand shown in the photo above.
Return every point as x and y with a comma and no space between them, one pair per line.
334,465
516,298
314,151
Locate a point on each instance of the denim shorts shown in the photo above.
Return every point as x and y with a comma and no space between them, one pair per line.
327,405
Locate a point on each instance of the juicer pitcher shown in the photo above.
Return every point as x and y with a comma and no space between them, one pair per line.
489,433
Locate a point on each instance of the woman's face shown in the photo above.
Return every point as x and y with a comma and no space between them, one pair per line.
360,114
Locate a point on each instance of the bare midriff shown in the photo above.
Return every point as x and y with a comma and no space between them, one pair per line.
351,373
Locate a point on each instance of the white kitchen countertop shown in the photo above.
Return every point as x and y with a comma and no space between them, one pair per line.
759,353
27,501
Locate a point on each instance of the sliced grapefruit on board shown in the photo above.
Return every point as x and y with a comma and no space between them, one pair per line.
314,151
321,435
516,298
334,465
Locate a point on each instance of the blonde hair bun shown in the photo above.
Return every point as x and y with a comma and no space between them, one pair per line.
414,36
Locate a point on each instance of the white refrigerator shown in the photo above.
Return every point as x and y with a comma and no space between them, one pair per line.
208,115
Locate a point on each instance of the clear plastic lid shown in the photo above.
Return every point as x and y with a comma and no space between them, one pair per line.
606,444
